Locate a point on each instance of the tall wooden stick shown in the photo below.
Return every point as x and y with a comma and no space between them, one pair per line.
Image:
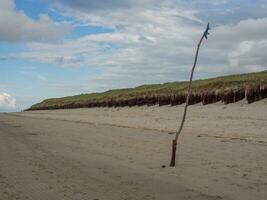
174,142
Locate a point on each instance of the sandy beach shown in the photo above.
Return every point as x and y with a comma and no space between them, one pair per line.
118,153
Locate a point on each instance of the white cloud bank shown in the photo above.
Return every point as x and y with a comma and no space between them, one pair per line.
16,26
158,46
7,101
152,42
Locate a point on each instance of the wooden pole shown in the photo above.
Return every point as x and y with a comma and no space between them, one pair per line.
174,142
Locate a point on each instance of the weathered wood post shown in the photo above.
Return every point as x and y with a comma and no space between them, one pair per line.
174,142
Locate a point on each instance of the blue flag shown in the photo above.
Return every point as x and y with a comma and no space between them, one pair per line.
207,31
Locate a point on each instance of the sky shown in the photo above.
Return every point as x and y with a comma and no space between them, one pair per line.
55,48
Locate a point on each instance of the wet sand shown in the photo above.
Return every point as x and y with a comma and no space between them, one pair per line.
118,153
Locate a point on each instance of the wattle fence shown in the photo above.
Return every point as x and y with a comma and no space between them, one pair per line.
250,93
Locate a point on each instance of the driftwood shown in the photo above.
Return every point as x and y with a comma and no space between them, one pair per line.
174,142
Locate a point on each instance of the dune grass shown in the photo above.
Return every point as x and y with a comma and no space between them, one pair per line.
219,83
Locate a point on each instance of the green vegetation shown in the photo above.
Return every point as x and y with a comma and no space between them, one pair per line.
224,83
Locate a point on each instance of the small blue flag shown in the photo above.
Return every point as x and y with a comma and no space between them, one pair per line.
207,31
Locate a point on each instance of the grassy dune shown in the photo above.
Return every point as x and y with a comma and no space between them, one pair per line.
222,86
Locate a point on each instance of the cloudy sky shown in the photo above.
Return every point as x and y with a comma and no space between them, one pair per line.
52,48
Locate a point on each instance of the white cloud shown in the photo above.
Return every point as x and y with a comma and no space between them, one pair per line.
251,55
221,12
245,30
241,46
123,12
153,43
7,101
17,26
104,4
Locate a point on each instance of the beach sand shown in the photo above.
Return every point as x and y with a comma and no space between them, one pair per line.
118,153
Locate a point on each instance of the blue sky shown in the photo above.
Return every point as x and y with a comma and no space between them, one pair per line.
67,47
